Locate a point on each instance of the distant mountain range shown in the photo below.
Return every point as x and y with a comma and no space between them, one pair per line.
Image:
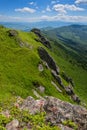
28,26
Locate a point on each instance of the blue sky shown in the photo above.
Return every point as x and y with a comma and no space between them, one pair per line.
43,10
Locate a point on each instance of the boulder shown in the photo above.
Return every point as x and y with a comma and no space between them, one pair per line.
47,58
41,39
32,105
41,89
40,67
13,125
13,33
69,90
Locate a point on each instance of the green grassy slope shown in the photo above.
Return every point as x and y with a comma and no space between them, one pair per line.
19,67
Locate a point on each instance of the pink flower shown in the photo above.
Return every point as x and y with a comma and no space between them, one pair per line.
16,105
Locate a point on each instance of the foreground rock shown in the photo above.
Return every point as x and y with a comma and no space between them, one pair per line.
57,111
13,125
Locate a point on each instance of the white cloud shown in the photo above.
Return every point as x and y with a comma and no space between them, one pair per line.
48,8
59,17
5,18
61,8
81,2
31,3
54,1
25,9
43,11
65,18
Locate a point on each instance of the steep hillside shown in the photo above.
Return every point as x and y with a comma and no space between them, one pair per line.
30,66
22,72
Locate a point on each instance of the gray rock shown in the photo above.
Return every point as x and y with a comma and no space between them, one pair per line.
40,67
13,125
76,98
69,90
47,58
41,89
56,86
13,33
33,106
57,77
41,39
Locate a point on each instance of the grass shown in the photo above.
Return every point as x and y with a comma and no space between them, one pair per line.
19,67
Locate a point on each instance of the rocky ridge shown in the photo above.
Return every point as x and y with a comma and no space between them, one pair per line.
51,64
57,113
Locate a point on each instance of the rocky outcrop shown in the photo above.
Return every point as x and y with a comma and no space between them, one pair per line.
41,39
57,111
12,33
41,89
48,59
57,77
69,90
55,73
75,98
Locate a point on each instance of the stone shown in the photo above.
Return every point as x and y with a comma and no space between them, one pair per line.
40,67
13,125
69,90
13,33
76,98
41,39
32,105
41,89
57,77
47,58
6,113
56,86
